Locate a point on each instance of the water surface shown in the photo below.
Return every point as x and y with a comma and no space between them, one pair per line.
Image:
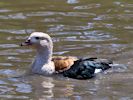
78,28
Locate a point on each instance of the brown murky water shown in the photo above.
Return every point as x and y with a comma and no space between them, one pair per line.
80,28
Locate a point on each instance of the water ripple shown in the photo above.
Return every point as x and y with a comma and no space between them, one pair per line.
76,14
72,1
68,27
17,16
13,16
3,82
7,72
6,64
14,31
97,36
4,89
8,45
23,88
5,10
13,97
89,6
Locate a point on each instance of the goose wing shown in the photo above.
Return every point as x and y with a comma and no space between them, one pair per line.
85,68
63,63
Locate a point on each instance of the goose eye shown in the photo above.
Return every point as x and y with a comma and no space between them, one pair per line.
37,38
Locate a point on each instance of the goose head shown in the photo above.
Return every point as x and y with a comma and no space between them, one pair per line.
38,39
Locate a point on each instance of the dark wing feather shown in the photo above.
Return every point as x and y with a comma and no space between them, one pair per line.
85,68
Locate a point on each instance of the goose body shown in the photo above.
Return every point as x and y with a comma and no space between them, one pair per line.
47,64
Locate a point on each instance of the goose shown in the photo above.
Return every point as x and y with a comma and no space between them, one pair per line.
69,66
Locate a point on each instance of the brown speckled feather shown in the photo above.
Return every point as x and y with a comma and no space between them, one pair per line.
63,63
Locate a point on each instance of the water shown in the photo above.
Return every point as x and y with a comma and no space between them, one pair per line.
78,28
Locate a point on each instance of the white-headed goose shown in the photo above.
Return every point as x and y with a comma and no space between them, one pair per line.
45,64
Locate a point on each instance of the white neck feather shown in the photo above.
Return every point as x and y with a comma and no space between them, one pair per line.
42,63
